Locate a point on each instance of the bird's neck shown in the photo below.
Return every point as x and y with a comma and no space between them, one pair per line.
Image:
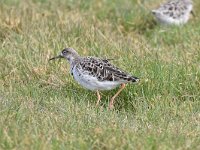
74,60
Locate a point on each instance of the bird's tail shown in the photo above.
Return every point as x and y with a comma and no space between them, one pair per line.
133,79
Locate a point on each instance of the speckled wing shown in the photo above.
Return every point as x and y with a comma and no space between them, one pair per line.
103,70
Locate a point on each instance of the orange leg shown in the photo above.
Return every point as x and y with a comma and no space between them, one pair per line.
98,98
113,98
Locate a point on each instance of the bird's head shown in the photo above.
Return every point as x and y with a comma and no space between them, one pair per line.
69,53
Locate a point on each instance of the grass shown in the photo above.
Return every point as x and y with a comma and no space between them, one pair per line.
41,107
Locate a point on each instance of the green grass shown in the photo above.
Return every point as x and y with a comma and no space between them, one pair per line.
41,107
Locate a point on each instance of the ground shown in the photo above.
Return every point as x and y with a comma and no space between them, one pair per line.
42,107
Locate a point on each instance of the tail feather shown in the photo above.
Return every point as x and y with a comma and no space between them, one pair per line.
133,79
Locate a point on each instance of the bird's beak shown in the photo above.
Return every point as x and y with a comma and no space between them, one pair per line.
59,56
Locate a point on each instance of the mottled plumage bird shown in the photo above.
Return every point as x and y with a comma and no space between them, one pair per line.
96,74
174,12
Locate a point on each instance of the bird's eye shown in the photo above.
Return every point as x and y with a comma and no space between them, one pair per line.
64,52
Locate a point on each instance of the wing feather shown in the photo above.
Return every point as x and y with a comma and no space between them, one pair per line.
104,70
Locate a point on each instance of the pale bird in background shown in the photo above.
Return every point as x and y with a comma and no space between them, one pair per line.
96,74
174,12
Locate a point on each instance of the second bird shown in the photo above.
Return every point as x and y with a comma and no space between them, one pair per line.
96,74
174,12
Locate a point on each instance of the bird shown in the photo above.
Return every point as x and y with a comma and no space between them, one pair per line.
96,74
174,12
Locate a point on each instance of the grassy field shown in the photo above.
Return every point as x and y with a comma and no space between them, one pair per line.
41,107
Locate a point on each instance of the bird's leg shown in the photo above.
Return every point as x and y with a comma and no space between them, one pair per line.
98,98
193,14
113,98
